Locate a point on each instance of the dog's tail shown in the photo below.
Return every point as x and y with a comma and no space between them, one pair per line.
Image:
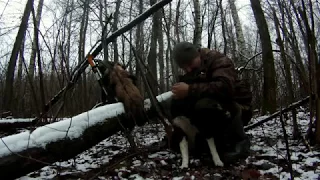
190,130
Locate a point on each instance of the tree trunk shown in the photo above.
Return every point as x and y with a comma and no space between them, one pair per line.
8,91
223,29
313,67
318,101
37,46
304,84
130,39
168,53
288,78
161,53
103,17
152,56
177,26
20,70
239,34
212,22
300,23
81,53
269,73
68,45
32,61
114,28
19,84
197,22
140,45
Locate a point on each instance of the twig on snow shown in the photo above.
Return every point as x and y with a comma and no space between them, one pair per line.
287,144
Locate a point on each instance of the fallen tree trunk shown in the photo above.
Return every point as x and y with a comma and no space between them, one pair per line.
50,143
11,125
274,115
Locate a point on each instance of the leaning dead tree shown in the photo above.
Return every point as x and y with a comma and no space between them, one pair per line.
293,106
80,68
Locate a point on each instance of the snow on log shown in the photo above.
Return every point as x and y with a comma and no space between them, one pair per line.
28,151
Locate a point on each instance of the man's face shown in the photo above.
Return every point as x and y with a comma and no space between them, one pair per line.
195,63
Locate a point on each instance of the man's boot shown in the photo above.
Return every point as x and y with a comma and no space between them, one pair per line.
240,143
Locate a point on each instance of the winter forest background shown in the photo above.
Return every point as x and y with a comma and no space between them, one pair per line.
274,43
68,30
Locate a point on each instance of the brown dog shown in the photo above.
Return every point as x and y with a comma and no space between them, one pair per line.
128,94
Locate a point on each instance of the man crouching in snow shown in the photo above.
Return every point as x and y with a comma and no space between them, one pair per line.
204,103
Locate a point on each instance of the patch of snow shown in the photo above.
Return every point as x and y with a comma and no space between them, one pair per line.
310,175
102,178
285,175
256,148
311,160
177,178
69,128
274,170
137,163
163,162
260,162
136,177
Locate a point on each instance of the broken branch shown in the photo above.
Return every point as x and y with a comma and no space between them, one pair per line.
289,108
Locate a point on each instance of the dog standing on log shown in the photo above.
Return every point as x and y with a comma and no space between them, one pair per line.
128,94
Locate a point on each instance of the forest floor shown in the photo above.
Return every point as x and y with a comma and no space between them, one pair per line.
110,158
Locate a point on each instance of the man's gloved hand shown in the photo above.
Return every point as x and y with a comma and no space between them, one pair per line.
180,90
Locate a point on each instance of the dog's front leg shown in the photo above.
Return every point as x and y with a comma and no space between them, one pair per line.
184,152
214,153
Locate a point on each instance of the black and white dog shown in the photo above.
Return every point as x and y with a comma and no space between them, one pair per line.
189,138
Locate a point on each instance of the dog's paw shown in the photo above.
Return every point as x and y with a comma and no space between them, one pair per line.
184,166
218,163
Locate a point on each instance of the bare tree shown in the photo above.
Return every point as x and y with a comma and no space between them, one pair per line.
288,75
8,92
212,20
223,29
152,56
314,66
34,46
81,50
161,53
139,43
269,82
241,44
177,27
293,41
197,23
114,28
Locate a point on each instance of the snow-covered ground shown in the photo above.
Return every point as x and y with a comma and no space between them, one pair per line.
268,156
270,150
